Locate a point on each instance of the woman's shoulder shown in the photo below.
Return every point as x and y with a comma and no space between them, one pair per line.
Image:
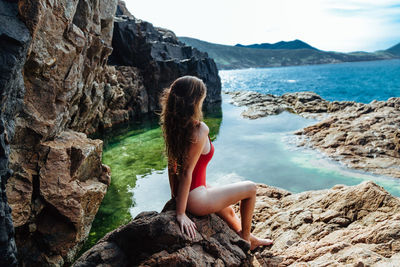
202,131
204,127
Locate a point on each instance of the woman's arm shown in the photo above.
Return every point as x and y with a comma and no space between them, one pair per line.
185,178
185,181
172,178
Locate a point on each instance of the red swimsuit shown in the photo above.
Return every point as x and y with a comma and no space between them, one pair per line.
199,172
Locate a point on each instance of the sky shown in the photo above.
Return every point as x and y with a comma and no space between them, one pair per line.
341,25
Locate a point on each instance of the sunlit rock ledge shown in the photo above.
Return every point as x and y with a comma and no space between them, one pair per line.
362,136
342,226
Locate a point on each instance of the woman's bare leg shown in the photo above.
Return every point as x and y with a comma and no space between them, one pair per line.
230,217
202,201
228,214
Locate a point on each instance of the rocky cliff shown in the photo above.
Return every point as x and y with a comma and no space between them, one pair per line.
160,58
56,89
342,226
14,42
58,180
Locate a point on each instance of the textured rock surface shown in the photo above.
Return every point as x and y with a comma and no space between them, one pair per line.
14,42
362,136
125,96
58,180
67,192
160,57
343,226
306,104
154,239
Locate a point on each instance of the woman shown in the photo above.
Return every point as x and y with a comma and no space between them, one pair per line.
189,149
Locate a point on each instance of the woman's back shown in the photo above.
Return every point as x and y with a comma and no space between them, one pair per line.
199,171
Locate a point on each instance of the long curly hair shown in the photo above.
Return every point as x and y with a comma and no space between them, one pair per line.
181,113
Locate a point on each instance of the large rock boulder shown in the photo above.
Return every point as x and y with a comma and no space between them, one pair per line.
342,226
14,43
160,56
155,239
67,191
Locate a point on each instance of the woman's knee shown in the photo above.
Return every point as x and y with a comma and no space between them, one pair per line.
251,187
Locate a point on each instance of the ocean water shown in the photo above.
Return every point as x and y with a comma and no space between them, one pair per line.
262,150
351,81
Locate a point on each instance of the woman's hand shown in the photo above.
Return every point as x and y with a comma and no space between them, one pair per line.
187,225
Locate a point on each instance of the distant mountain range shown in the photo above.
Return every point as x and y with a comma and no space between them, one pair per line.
280,54
296,44
395,50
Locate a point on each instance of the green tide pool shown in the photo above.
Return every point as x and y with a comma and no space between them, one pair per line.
262,150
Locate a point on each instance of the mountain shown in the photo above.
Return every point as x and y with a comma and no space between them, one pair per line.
296,44
237,57
395,50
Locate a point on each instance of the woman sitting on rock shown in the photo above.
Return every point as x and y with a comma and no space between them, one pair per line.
189,149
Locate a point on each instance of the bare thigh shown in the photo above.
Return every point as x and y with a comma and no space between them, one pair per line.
202,200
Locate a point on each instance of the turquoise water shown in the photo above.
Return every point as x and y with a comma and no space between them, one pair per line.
352,81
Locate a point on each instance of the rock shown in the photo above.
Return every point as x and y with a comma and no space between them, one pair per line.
67,189
125,96
396,139
345,225
307,104
14,43
58,180
160,57
65,89
362,136
155,239
63,76
122,10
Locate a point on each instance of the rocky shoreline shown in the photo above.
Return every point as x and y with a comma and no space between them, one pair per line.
342,226
361,136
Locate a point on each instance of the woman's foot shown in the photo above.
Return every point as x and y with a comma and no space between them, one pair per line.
256,242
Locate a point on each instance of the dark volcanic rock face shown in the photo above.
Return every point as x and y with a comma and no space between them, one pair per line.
14,42
160,57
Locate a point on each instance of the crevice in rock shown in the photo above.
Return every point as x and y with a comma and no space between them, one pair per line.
82,15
